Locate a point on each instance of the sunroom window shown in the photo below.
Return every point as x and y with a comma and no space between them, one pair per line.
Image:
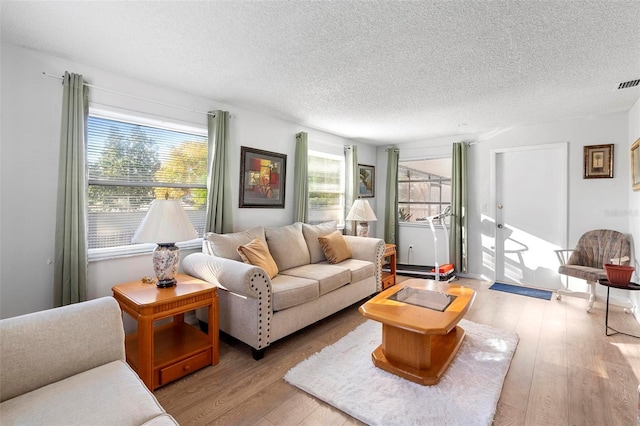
424,189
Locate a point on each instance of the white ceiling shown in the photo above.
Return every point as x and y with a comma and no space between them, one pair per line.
378,71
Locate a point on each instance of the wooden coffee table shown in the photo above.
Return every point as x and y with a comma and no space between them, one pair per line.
419,343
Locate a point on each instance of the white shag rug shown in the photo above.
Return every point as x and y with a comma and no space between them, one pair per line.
344,376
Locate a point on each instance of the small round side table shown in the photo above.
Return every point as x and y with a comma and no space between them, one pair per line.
630,286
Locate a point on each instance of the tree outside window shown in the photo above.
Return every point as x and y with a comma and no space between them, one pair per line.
129,166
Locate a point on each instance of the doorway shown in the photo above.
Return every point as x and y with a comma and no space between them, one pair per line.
529,197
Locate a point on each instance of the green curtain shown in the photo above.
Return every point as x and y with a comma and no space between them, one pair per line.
301,180
71,246
219,213
391,222
458,240
351,183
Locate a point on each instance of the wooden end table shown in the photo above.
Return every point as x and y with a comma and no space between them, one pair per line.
167,352
389,278
418,343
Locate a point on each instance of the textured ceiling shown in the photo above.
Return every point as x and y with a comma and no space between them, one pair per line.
378,71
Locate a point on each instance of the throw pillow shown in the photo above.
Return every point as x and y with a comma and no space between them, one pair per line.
225,245
257,254
311,234
335,247
287,246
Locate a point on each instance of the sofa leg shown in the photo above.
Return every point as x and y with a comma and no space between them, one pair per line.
258,354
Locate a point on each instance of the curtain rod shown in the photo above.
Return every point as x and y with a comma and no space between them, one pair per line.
136,97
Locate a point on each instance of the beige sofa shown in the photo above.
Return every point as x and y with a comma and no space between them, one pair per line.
66,366
259,310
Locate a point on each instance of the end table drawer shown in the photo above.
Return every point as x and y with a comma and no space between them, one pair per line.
182,368
388,282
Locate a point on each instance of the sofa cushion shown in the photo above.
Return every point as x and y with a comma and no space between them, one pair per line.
335,247
82,335
360,269
257,254
329,277
287,246
226,245
288,291
311,234
111,394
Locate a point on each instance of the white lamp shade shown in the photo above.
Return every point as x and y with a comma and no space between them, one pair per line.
166,222
361,211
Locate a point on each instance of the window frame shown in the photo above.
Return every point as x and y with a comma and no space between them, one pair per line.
143,119
425,222
323,154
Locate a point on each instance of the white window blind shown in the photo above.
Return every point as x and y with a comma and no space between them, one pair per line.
326,187
130,165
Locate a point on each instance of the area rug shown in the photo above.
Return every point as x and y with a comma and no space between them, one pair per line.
523,291
344,376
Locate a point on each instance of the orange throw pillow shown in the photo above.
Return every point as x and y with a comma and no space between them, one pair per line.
257,254
335,247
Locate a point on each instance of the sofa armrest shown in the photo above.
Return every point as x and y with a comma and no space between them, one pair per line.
365,248
370,249
44,347
236,277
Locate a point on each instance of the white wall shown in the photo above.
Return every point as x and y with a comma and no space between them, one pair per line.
592,203
634,203
30,130
31,107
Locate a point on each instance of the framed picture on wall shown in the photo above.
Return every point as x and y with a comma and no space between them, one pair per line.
262,178
635,165
598,161
366,181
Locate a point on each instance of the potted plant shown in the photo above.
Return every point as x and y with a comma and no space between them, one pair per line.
617,273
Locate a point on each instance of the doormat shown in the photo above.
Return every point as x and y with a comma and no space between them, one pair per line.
344,376
524,291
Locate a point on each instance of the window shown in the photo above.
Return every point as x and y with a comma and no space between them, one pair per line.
326,187
130,165
424,189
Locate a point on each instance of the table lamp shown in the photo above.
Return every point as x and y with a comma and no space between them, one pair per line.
362,213
165,224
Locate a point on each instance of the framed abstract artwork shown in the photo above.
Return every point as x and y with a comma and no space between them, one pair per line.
366,181
598,161
262,178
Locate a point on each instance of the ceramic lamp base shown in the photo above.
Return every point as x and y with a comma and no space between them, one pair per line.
166,260
363,229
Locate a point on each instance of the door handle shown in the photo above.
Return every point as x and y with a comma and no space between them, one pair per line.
500,226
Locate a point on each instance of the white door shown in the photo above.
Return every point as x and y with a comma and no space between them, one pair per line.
530,206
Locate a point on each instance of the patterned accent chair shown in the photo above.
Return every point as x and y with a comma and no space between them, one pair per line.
586,261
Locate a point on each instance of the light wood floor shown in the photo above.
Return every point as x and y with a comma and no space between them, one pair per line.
565,370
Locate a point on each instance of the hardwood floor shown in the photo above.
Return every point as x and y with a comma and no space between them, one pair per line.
565,370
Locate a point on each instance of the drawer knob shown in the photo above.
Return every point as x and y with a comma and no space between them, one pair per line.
186,367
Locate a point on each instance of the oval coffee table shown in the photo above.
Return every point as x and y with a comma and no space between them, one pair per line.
420,335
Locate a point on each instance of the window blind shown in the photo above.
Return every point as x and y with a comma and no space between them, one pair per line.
130,165
326,187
